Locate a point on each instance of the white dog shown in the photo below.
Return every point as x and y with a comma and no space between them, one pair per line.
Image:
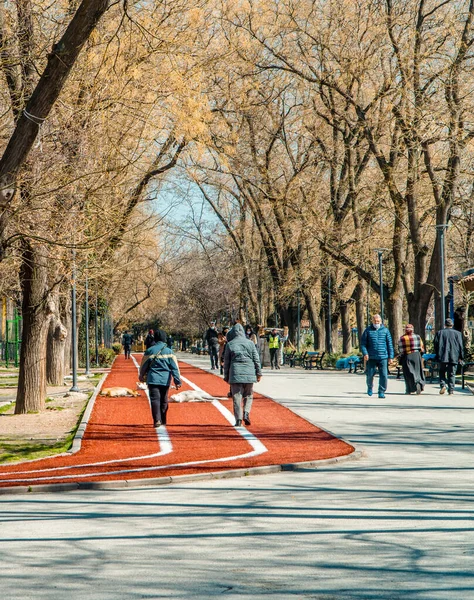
191,396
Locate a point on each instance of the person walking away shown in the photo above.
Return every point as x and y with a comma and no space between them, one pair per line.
158,367
410,349
150,339
448,346
241,369
212,340
377,347
127,341
274,347
222,339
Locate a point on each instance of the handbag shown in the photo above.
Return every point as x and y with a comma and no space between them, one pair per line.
147,365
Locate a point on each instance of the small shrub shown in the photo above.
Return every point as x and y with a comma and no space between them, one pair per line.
117,348
106,357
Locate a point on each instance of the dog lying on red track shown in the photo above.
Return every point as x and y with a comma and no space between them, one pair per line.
116,392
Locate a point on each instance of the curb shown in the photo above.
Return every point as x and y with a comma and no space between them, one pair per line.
77,441
178,479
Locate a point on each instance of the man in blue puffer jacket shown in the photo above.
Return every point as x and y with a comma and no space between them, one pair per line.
377,347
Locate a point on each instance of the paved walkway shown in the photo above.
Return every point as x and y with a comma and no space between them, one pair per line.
396,524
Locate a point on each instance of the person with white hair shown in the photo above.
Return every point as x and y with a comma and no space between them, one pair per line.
377,347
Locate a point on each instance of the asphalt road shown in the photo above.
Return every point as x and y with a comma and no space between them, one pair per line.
396,524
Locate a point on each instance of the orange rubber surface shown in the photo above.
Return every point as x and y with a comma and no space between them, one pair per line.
120,442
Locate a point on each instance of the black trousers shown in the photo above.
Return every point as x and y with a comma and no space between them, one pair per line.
213,353
127,349
274,357
159,402
447,375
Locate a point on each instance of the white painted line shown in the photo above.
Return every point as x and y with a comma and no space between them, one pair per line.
258,448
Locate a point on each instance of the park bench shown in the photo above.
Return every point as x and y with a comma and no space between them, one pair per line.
298,360
288,357
431,369
355,364
314,360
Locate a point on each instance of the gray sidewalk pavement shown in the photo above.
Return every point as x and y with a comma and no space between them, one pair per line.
395,524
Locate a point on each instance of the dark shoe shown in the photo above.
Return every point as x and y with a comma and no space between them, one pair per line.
450,392
442,390
229,394
381,395
369,392
246,419
238,423
419,389
157,424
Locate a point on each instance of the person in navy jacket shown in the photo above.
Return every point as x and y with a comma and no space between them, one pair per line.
377,347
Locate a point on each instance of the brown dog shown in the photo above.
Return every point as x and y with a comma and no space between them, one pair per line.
116,392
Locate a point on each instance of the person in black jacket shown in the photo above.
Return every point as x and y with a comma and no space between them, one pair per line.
212,340
150,339
127,341
449,351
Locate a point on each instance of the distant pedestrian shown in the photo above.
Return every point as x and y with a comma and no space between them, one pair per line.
241,369
377,347
158,367
150,339
127,341
274,342
448,346
212,340
250,335
410,348
222,339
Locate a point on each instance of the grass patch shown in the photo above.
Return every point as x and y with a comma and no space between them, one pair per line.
6,408
21,450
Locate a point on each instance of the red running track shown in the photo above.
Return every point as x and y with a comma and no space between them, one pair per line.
120,442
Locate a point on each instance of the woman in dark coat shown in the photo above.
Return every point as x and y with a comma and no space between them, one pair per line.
410,347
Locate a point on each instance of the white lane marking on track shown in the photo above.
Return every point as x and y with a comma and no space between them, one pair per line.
166,447
258,448
256,444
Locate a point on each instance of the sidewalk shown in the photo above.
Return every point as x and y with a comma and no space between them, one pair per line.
397,524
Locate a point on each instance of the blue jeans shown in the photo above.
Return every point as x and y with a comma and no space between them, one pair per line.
381,365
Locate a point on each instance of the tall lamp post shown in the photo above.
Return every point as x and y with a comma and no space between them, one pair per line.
298,331
380,252
96,328
440,230
74,387
88,365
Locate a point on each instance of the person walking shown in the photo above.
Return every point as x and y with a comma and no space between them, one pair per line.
212,340
222,339
449,352
241,369
150,339
377,347
410,349
158,366
127,341
274,347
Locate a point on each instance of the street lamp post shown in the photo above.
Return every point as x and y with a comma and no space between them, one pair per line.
96,328
440,230
298,331
86,316
74,387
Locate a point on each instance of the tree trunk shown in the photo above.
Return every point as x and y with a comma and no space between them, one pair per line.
314,319
360,310
36,312
394,308
346,327
55,351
